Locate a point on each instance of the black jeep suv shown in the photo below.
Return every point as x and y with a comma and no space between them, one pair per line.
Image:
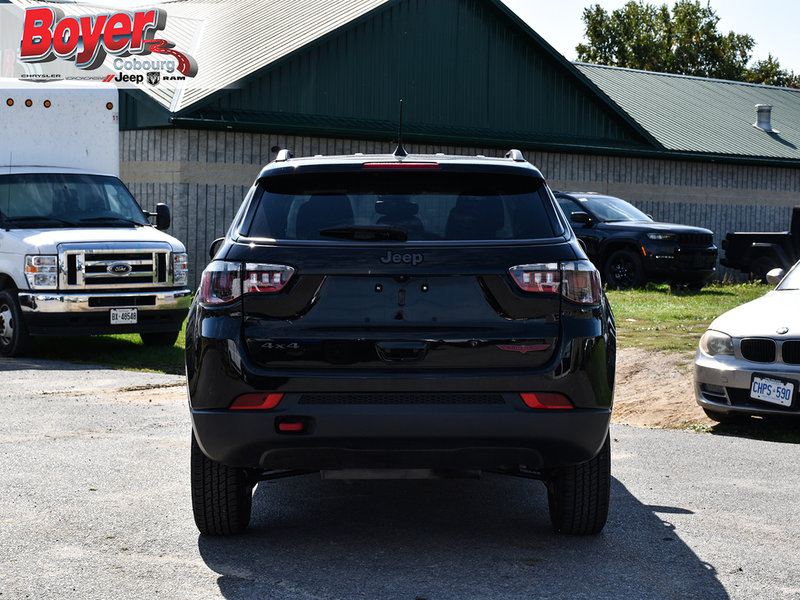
630,248
416,316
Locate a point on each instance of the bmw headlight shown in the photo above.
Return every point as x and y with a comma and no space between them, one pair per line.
715,343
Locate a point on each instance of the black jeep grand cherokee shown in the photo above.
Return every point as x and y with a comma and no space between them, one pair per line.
374,316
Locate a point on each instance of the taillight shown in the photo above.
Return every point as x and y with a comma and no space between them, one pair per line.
400,165
221,283
581,282
577,281
224,282
260,278
545,277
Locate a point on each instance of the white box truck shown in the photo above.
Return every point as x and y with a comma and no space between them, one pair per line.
78,255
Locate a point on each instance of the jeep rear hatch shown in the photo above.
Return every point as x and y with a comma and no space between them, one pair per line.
328,283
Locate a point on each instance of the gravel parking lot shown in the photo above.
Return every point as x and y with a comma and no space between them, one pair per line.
94,503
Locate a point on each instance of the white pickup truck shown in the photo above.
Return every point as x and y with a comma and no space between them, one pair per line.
78,255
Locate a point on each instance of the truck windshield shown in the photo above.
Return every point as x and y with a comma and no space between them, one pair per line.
47,200
610,209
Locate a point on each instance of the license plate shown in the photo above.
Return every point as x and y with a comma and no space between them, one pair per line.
775,391
124,316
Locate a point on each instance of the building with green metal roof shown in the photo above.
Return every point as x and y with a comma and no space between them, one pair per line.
326,77
706,118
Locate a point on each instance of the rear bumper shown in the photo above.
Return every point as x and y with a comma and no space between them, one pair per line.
88,314
402,437
367,426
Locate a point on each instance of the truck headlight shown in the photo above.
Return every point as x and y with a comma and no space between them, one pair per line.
41,271
180,267
714,343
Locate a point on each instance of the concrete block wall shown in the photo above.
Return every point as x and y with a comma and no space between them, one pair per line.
204,176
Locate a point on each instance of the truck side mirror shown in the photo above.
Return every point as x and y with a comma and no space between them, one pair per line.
581,217
212,249
162,216
774,276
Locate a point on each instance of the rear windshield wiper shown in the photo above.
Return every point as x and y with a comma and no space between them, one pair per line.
367,233
112,219
33,219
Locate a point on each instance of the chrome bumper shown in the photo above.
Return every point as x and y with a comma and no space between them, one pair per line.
53,302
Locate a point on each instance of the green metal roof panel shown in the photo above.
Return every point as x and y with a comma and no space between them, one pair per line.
237,39
708,116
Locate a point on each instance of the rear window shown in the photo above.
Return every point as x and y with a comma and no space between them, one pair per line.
420,205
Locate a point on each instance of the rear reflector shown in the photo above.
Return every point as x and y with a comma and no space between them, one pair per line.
256,401
546,400
401,165
291,426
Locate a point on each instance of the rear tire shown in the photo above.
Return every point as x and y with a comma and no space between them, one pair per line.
623,270
579,495
159,339
221,495
14,338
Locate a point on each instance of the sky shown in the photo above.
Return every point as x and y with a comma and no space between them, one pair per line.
774,24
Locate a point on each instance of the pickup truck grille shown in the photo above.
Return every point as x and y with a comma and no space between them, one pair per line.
695,240
115,267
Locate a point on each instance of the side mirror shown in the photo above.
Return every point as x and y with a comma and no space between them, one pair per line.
774,276
162,216
215,245
581,217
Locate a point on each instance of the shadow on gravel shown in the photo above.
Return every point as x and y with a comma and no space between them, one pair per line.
113,352
786,430
35,364
435,540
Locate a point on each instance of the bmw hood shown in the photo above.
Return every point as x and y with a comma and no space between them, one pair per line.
763,317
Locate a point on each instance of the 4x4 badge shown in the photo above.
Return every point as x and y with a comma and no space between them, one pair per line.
405,258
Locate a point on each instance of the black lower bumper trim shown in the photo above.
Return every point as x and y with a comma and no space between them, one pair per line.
404,439
98,322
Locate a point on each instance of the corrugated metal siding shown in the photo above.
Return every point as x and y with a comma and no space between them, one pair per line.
204,176
691,114
459,65
237,39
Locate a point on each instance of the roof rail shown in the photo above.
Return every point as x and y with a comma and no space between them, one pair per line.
284,155
515,155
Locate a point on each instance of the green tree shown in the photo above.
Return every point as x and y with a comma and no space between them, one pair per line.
769,72
685,40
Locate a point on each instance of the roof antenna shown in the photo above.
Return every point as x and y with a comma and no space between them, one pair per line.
400,151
